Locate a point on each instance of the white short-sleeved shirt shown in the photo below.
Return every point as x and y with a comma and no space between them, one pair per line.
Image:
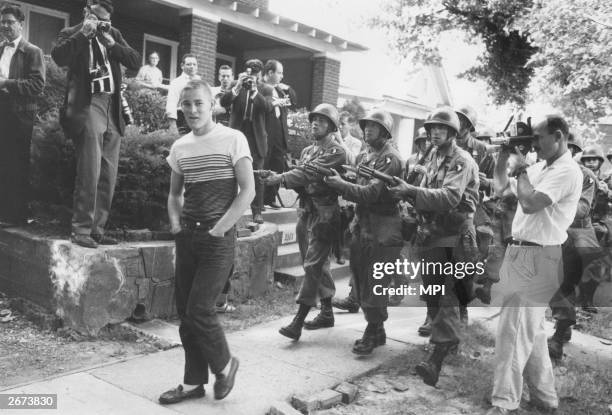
562,183
207,165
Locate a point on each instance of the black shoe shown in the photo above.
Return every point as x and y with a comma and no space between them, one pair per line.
179,395
257,218
429,372
274,205
425,329
103,239
293,330
555,348
483,293
321,321
347,304
83,240
340,261
367,343
224,384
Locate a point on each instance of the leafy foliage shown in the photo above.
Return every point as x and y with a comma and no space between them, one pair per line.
414,27
573,62
299,132
564,45
52,97
148,107
143,180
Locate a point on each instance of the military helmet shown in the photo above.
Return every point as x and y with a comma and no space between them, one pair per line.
421,135
469,113
445,116
485,134
572,140
593,152
381,117
328,111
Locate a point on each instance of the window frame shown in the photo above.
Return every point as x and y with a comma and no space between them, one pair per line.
27,8
173,47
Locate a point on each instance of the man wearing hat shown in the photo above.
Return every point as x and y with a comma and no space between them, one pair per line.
91,117
318,220
376,234
446,204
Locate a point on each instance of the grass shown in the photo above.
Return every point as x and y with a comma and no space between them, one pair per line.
599,324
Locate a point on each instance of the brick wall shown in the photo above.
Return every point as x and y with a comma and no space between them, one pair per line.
325,81
199,36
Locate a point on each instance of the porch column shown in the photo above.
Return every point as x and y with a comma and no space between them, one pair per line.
325,80
198,35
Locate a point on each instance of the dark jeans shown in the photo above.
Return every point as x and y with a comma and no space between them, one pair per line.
258,164
16,133
203,263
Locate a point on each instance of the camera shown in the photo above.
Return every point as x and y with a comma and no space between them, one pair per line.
126,111
520,136
104,27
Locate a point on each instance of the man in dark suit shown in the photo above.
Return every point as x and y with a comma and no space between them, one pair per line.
22,78
283,98
250,101
91,115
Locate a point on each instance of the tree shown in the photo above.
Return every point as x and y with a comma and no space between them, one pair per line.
564,46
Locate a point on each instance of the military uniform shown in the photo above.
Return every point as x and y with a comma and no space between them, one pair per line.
318,220
447,204
376,229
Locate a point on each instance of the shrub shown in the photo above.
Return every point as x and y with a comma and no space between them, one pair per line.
52,97
299,132
143,181
148,107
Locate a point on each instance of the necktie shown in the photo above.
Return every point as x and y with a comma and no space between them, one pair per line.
8,44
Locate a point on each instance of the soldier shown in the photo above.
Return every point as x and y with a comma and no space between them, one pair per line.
318,220
446,234
376,229
482,219
421,142
580,248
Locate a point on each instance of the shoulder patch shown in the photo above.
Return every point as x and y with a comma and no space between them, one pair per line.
388,160
334,150
459,167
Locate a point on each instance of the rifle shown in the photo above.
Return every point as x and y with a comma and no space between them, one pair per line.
414,174
262,173
370,173
314,168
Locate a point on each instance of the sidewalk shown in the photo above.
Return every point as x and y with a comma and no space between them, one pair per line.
272,368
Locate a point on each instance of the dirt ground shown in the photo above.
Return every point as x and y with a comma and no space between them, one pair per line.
466,383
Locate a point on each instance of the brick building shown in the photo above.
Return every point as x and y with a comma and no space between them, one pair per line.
217,31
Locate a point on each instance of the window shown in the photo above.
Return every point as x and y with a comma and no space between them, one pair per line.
167,50
42,25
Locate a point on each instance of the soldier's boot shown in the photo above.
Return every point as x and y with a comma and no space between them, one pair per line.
324,319
425,329
483,293
429,370
587,292
463,314
349,303
373,336
555,342
294,329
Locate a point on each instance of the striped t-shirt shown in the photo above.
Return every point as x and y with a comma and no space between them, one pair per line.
207,166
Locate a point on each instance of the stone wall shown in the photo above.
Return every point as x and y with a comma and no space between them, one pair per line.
88,289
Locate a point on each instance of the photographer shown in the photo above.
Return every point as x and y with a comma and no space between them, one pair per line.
91,115
249,103
548,193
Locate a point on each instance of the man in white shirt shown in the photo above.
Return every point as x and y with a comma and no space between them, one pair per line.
221,114
189,66
352,144
548,193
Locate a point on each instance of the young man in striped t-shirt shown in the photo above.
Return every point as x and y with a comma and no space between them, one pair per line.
214,167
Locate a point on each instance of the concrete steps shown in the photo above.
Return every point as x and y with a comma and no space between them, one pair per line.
295,274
